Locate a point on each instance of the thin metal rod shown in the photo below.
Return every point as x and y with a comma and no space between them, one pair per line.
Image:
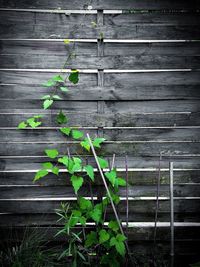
127,195
171,183
108,192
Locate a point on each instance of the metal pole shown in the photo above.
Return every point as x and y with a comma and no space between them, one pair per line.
108,192
171,183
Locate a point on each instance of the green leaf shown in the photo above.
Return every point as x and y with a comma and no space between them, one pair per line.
64,160
121,238
85,204
74,76
66,41
51,153
115,197
47,165
120,247
64,89
96,213
103,163
77,134
61,118
121,182
85,144
77,182
33,122
112,175
103,236
91,239
66,130
22,125
56,97
97,141
77,160
118,242
58,78
55,170
90,171
82,220
47,103
113,225
45,97
40,174
49,83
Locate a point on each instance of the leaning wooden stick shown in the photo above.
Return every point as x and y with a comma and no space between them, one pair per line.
108,192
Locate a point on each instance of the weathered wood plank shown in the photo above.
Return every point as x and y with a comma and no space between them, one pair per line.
137,206
91,118
39,77
134,177
105,4
96,93
134,134
107,62
125,19
133,148
143,164
17,220
31,192
57,47
153,32
40,47
168,48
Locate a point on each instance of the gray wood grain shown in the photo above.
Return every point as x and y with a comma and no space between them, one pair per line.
149,134
107,62
106,93
106,4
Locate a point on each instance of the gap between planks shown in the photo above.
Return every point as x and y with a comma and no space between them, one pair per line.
104,40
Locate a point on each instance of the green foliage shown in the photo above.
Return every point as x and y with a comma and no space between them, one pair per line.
33,122
61,118
90,171
109,242
77,182
52,153
118,243
47,103
103,163
74,76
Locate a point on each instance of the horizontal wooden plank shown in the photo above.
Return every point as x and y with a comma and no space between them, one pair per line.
30,192
138,206
16,220
133,134
38,78
134,234
153,32
41,47
25,177
57,47
133,148
127,92
140,78
107,62
108,4
167,48
86,117
141,164
126,19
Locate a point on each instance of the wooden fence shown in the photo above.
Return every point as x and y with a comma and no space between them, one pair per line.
139,87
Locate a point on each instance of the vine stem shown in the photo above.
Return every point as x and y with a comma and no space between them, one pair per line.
109,195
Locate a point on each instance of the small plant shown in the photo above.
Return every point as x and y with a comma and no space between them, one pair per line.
104,243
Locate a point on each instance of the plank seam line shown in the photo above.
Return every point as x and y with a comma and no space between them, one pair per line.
95,198
105,127
95,170
96,70
105,142
63,11
105,40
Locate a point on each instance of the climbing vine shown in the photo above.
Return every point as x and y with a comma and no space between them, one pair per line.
105,242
